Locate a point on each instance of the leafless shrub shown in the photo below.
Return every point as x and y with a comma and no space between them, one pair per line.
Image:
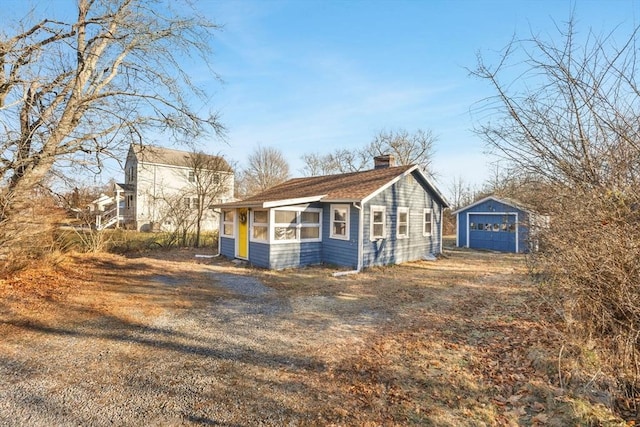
565,115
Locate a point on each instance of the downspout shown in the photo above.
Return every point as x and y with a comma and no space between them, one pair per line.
118,207
360,243
441,230
220,225
458,230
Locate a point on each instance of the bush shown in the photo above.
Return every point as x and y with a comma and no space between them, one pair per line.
590,271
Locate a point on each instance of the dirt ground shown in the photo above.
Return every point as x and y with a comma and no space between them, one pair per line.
175,339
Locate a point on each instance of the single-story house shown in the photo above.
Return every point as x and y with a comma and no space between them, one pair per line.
387,215
497,224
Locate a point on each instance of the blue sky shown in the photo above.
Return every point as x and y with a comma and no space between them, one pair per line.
313,76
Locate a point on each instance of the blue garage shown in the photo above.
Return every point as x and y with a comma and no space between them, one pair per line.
496,224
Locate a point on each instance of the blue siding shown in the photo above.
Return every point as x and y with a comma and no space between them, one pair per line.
492,227
259,254
412,193
228,247
286,255
336,251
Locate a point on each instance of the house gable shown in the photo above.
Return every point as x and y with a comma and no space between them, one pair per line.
494,223
413,198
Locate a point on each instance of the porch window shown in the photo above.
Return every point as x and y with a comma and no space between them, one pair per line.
260,226
339,222
378,222
403,223
227,222
427,227
297,224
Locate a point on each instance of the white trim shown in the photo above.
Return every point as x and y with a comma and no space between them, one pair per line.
299,225
261,224
441,230
431,186
399,210
222,223
347,222
389,184
468,245
509,203
360,236
424,212
377,208
237,233
288,202
458,229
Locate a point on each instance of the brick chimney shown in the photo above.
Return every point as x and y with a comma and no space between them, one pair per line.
384,161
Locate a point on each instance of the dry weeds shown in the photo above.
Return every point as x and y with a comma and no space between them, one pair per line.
459,341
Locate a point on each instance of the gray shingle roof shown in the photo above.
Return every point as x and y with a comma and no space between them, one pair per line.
169,156
354,186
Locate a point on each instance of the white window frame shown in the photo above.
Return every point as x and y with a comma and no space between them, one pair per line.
231,223
299,225
400,210
424,221
259,224
191,176
373,209
346,225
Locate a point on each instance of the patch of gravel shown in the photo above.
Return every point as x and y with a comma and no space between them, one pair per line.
241,284
248,358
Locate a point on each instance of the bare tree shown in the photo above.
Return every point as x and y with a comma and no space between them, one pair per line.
406,148
266,167
341,160
73,92
567,114
415,148
177,213
460,192
210,179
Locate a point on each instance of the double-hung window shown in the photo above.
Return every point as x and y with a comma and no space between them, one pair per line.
402,231
260,225
427,227
339,222
297,224
378,222
192,202
227,222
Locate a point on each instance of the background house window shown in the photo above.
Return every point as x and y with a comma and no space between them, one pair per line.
192,176
296,225
403,223
427,227
378,222
260,221
191,202
227,222
339,222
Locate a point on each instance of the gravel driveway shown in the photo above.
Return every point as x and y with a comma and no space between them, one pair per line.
190,344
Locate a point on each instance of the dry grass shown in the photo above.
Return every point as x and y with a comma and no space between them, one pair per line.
459,341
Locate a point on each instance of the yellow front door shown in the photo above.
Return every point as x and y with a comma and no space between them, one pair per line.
243,233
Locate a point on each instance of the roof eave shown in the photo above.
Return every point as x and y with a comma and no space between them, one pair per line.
497,199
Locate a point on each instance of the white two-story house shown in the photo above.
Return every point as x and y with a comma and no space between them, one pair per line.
165,189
